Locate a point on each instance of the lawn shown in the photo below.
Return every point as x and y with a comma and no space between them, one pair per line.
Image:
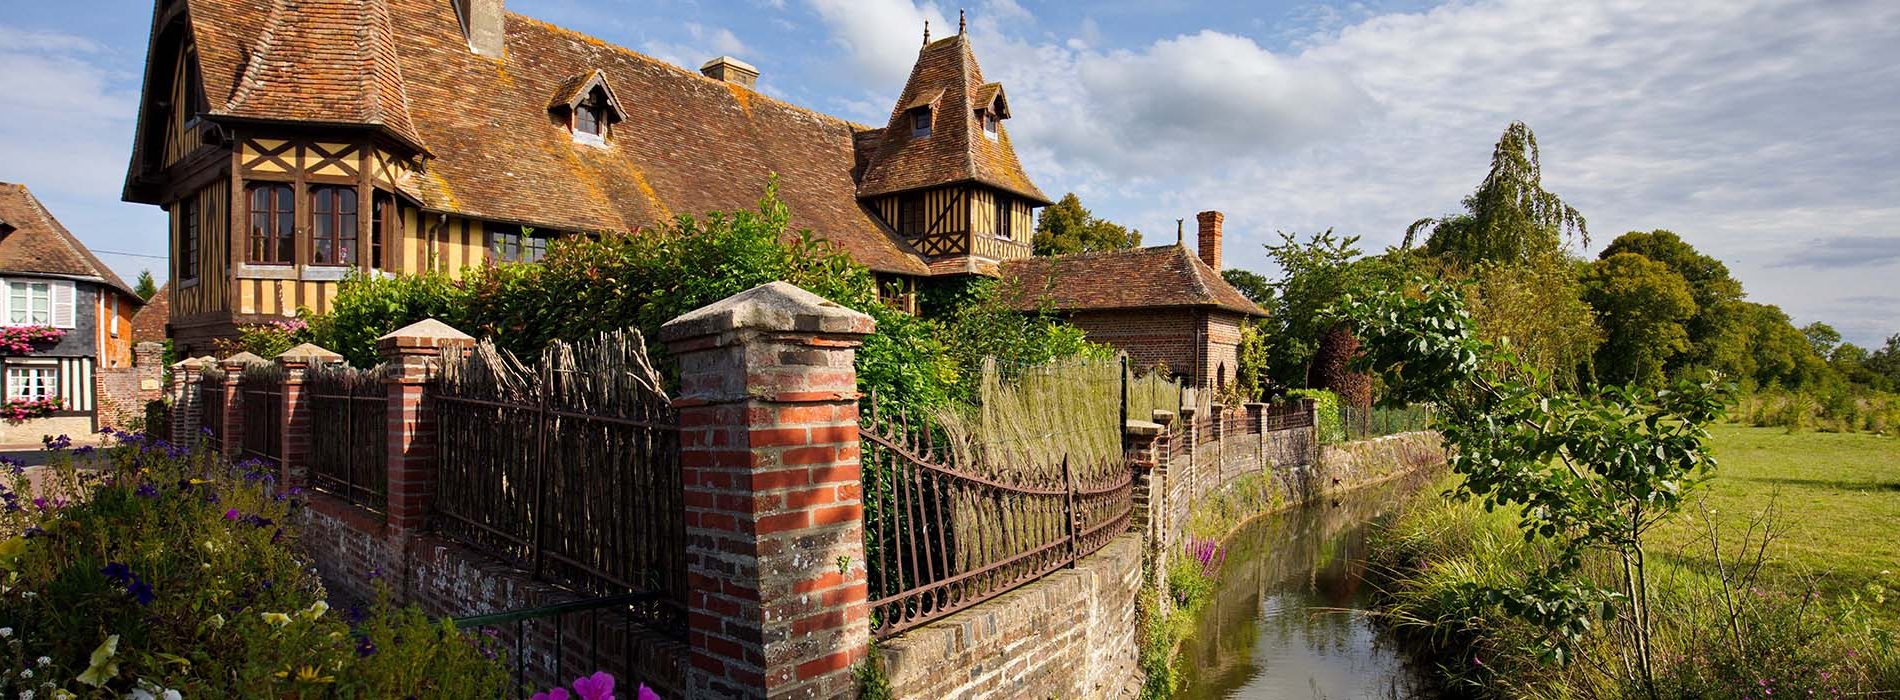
1836,497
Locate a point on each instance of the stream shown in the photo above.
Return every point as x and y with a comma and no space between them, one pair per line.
1287,620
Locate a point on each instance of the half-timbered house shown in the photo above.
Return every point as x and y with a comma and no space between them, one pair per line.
294,142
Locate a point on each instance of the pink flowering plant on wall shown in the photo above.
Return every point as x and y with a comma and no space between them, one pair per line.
17,411
25,340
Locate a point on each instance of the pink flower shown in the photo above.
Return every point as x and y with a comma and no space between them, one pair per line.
647,693
555,694
599,686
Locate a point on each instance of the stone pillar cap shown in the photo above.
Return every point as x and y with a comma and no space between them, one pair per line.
772,307
245,358
308,352
194,363
1162,417
1142,427
426,328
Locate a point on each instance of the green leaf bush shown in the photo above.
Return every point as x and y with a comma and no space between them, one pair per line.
151,567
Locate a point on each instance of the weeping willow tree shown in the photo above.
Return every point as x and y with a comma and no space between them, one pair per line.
1511,218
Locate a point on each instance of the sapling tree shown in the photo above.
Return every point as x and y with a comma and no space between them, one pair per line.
1590,471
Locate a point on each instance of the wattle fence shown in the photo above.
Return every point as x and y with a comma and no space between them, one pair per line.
349,426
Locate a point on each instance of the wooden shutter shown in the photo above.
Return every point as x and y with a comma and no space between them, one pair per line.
61,302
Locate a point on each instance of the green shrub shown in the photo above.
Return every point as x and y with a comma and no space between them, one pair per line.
266,340
1330,424
150,566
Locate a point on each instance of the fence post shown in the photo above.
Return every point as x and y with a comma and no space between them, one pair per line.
293,441
774,519
233,410
412,352
1165,472
1143,458
187,407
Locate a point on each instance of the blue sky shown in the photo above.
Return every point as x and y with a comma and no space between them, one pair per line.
1766,132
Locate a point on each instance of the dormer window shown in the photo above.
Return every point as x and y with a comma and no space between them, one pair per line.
988,119
587,115
587,105
920,122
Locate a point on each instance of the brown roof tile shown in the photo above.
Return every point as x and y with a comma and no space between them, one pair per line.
38,244
1123,279
946,75
324,61
686,144
149,322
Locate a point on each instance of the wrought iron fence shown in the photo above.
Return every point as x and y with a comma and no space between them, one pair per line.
210,400
349,429
261,400
1288,415
1380,421
941,537
570,468
549,645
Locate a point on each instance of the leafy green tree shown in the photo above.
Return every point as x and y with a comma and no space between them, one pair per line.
1823,338
1779,355
1715,340
1066,227
1252,285
1589,471
1537,309
1510,218
145,287
1886,361
1314,275
1642,306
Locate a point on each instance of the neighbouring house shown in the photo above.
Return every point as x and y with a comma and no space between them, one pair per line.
1164,306
148,325
294,142
67,318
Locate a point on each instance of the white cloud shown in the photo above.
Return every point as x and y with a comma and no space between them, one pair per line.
700,44
881,37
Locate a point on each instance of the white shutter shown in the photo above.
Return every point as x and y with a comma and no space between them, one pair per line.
62,304
6,299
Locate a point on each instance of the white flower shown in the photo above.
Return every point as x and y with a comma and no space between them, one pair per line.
6,632
26,673
26,695
45,661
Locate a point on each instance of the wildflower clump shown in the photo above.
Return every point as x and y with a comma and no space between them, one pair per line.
149,569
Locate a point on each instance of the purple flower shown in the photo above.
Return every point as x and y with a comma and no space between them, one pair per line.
13,465
554,694
117,572
647,693
146,491
599,686
232,514
365,647
141,592
57,443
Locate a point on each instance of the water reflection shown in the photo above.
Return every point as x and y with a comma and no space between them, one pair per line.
1286,621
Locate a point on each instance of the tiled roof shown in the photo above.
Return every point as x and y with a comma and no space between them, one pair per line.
149,322
687,144
38,244
322,61
1161,276
946,75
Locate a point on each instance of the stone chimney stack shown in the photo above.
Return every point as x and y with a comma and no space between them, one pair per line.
1209,243
482,24
731,70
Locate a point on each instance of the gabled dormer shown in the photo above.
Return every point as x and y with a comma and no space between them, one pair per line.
942,173
586,105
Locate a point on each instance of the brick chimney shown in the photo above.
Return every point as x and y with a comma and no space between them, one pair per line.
731,70
1209,242
482,25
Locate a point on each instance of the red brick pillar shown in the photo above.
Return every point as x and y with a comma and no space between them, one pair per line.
1142,437
187,404
233,436
413,353
294,440
774,520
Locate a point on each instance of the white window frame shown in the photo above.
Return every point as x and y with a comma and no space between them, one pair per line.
113,308
60,301
19,377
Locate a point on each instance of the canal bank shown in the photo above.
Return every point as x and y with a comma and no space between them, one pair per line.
1287,616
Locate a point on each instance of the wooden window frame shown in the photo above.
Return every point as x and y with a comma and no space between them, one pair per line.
911,210
507,244
1005,217
189,218
342,238
385,216
921,122
266,247
51,386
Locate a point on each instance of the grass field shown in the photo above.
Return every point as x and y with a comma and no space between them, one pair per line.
1836,498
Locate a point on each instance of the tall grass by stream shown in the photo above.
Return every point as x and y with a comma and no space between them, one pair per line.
1727,624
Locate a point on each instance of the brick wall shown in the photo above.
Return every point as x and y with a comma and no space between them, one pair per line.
1197,343
1071,634
122,392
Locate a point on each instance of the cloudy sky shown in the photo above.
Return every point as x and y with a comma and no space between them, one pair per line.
1766,132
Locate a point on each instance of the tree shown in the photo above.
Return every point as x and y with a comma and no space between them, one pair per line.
1642,305
1511,217
1714,338
1537,309
1314,276
1252,285
1823,338
145,288
1886,361
1778,353
1587,471
1066,227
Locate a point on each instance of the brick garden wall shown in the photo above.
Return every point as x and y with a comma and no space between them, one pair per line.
122,392
1071,634
1196,343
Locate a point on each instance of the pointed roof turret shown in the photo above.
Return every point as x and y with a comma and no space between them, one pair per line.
946,83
